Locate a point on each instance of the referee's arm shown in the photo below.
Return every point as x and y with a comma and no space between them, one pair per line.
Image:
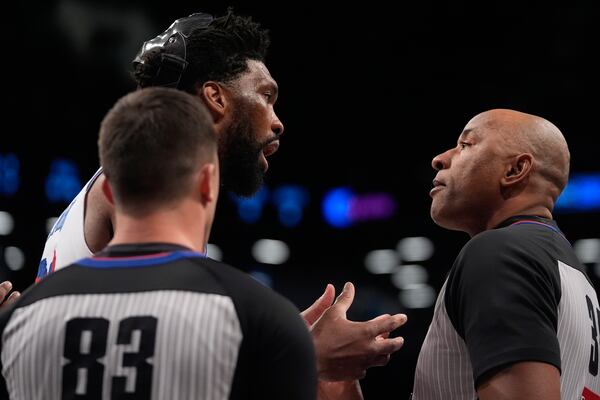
522,381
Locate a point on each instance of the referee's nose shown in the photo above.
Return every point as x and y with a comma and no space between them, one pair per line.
441,161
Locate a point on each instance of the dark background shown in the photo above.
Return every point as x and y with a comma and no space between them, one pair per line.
368,95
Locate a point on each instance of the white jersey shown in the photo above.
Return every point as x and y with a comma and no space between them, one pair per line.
66,241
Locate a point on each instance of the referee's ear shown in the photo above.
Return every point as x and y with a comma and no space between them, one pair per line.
208,183
517,170
107,191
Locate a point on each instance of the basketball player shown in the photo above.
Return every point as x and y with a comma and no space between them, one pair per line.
517,317
221,60
150,317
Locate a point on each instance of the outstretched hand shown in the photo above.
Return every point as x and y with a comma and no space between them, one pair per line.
314,312
5,288
346,349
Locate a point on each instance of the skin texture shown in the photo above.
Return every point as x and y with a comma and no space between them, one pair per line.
505,163
247,125
522,381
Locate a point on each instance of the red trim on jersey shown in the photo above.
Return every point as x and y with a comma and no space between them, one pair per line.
53,263
589,395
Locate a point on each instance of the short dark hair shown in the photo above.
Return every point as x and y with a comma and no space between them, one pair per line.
218,52
151,143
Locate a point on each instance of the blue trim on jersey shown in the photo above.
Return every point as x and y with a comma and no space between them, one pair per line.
530,222
138,261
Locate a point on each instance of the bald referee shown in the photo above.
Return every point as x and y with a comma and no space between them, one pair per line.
150,317
517,317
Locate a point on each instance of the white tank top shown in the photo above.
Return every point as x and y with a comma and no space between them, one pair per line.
66,241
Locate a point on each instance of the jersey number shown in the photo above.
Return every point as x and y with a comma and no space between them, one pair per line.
595,322
86,342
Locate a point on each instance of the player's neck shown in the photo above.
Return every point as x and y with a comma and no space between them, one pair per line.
170,226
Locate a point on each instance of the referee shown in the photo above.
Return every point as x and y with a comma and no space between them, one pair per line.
150,317
517,317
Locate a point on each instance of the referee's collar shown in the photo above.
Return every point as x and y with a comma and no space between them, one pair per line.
139,249
527,218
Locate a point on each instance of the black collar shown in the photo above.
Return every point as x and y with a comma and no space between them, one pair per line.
139,249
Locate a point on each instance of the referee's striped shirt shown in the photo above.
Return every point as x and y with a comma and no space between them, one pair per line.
154,321
516,293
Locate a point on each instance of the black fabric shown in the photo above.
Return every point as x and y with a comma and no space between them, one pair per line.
276,359
503,293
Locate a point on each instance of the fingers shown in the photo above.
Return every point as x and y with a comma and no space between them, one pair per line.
380,361
5,287
345,299
380,329
385,324
387,346
12,298
314,312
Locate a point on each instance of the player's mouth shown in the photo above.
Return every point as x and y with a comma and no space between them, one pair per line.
268,150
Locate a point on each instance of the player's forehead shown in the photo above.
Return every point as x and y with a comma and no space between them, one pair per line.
257,75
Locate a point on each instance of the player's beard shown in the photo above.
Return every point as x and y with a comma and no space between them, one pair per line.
239,150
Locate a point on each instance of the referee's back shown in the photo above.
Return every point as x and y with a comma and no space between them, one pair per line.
154,321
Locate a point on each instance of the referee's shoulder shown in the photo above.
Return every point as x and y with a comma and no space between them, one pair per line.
240,283
495,239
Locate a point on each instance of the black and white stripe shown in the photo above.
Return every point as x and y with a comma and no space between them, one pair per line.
197,343
516,293
179,326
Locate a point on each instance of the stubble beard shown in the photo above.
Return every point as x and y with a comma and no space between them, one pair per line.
239,150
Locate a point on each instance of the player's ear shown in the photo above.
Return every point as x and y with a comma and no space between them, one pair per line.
517,170
215,98
107,191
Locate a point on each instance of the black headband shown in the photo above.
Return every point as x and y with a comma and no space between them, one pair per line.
173,41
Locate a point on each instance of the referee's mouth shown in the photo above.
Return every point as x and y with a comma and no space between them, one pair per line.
437,186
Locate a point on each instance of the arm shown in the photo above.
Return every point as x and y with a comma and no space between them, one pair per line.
522,381
502,297
346,349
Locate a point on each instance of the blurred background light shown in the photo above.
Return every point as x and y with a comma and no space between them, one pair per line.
269,251
9,174
587,250
63,183
290,201
213,251
407,276
7,223
342,208
582,193
415,249
336,207
417,296
250,209
381,261
14,258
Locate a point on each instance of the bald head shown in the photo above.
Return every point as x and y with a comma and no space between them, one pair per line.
525,133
